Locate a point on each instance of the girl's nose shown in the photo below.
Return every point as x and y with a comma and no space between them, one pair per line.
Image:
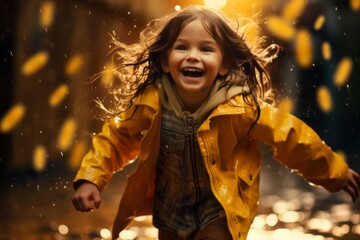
192,55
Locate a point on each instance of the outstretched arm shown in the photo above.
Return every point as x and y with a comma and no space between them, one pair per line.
352,187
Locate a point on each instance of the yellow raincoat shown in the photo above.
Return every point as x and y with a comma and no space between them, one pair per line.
230,154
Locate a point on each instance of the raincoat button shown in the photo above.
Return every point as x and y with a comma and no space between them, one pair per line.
250,177
213,162
239,234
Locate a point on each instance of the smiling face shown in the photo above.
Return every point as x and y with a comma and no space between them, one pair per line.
194,61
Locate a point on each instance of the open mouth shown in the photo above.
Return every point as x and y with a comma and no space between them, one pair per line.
192,72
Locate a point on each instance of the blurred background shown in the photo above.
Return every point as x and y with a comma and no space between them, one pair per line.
51,52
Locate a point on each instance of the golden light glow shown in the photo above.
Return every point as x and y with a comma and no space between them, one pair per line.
35,63
177,8
304,48
282,234
324,99
280,207
280,28
74,64
12,118
320,224
319,22
343,71
326,50
58,95
127,235
63,229
105,233
272,220
259,222
290,217
47,14
39,158
66,135
217,4
293,9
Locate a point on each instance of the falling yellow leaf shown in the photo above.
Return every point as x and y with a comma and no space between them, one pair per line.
326,50
74,64
342,155
324,99
303,48
35,63
284,108
293,9
252,36
66,135
58,95
39,158
319,22
355,5
47,14
286,105
12,118
280,28
343,71
108,75
77,154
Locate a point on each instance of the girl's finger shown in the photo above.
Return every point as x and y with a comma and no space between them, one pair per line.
97,200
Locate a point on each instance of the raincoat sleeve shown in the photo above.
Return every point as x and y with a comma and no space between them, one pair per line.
113,148
299,147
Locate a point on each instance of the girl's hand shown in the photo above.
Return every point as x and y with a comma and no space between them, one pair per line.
352,187
87,197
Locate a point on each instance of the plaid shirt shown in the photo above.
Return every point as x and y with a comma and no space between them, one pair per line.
183,198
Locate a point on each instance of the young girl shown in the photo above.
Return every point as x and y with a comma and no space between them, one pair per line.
192,110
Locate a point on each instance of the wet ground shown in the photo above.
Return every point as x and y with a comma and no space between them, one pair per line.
39,207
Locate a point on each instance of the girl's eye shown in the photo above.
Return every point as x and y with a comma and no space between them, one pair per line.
207,49
180,47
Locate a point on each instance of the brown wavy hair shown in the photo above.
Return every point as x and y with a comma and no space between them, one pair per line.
139,65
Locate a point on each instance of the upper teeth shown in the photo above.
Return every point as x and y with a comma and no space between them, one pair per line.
192,70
